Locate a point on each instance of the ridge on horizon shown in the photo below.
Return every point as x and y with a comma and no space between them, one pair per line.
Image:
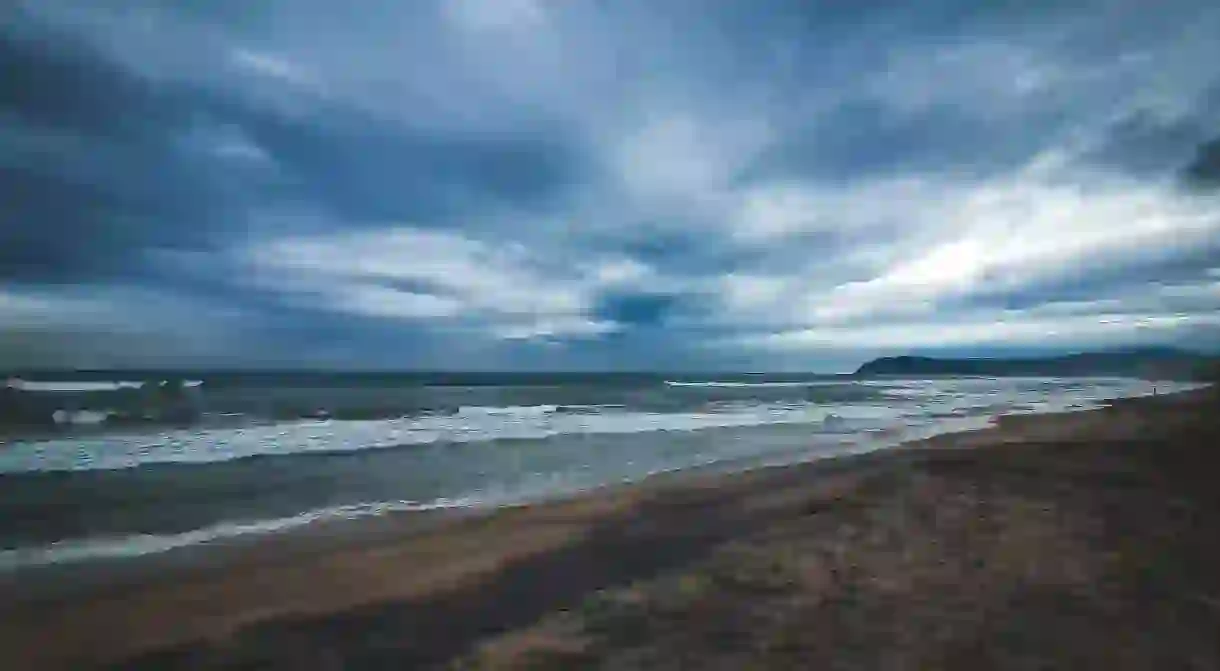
1140,361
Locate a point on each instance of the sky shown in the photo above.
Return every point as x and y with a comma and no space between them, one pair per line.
627,184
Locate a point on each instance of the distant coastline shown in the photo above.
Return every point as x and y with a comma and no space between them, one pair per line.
1148,363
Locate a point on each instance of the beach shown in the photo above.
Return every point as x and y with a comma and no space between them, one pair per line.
541,335
1077,540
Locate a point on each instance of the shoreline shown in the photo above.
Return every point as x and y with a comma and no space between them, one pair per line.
59,580
451,555
110,554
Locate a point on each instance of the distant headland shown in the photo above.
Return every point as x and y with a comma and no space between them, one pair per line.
1149,362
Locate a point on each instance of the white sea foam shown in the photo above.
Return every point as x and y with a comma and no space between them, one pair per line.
511,410
112,452
471,424
62,416
130,546
718,384
79,386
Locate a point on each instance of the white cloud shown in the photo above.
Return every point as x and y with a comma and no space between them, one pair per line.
988,329
668,156
757,294
768,212
378,301
680,165
228,142
975,77
240,149
556,327
1042,230
23,309
103,326
1151,313
622,272
448,276
495,14
960,240
779,209
272,66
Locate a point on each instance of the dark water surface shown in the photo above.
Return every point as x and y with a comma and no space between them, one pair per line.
256,462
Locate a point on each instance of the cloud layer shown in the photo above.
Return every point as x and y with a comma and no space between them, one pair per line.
541,184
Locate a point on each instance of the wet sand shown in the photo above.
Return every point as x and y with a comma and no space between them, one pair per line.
1086,538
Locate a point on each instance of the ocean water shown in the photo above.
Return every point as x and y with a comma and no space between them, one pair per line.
271,454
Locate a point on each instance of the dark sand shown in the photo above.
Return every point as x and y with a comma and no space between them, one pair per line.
1083,540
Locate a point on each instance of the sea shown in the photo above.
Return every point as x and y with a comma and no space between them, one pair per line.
270,453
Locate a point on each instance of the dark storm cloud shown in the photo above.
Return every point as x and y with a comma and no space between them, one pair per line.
1153,145
1142,145
95,163
363,168
55,79
1204,168
635,309
865,138
1102,282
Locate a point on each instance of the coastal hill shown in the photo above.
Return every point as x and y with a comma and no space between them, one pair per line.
1151,362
